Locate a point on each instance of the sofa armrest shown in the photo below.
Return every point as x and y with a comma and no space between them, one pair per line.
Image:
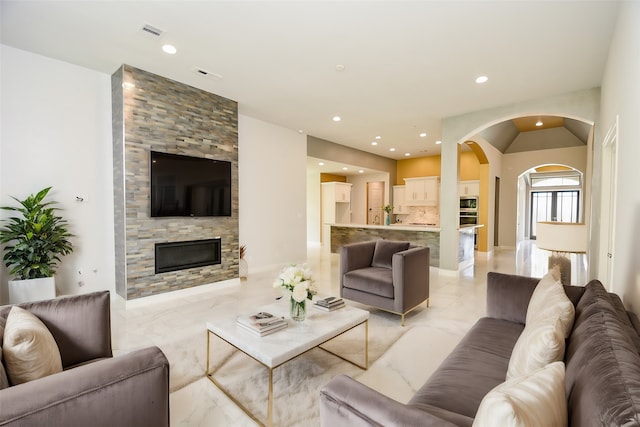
346,402
410,277
508,296
80,324
356,255
129,390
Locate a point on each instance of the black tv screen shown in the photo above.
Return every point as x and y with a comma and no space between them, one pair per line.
189,186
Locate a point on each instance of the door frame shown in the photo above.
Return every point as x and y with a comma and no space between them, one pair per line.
608,202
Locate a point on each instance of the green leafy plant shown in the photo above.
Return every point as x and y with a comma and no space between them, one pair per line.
36,239
388,208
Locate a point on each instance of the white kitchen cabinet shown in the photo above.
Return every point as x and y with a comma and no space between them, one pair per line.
399,200
336,206
423,191
342,192
469,188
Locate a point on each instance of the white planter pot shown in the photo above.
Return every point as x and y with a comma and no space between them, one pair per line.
243,268
31,290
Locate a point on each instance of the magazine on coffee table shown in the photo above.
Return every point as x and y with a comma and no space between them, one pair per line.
329,303
261,323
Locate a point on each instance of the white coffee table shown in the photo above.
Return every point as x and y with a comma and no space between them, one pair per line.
280,347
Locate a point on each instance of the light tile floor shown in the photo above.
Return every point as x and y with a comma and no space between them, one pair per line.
457,301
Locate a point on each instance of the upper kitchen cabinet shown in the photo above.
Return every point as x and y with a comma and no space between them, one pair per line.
423,191
469,188
342,191
399,200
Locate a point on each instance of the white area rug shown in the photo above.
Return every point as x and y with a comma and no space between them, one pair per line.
297,383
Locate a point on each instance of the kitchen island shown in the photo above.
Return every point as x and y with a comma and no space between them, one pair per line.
420,235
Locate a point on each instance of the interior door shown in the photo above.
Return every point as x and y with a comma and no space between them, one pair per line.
375,202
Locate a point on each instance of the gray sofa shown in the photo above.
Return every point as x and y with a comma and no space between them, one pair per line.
601,357
94,388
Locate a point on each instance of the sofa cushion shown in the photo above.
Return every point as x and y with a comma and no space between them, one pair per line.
549,301
474,367
383,253
539,345
536,399
603,365
29,349
4,380
373,280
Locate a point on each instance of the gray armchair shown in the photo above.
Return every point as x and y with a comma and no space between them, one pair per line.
389,275
94,388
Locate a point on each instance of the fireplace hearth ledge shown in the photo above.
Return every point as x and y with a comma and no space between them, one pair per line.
168,296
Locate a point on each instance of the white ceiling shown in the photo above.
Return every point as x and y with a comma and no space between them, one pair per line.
407,65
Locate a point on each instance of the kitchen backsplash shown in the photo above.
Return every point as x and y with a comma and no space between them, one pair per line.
421,214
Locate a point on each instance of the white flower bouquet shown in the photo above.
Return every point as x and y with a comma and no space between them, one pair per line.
297,279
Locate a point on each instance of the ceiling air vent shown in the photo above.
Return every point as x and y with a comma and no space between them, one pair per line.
208,74
151,30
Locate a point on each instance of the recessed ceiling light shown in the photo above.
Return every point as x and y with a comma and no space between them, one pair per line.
374,143
392,149
539,123
423,134
407,154
170,49
482,79
378,137
360,171
438,142
340,67
336,118
345,168
321,164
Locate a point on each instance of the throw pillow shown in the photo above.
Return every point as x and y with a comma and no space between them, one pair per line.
534,400
549,302
384,250
29,349
537,346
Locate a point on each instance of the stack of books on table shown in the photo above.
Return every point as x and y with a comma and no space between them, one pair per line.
261,323
329,303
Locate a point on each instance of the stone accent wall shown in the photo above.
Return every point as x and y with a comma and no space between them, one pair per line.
155,113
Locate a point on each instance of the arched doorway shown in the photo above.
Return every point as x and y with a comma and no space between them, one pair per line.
549,192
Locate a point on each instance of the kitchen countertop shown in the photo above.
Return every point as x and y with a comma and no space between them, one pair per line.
407,227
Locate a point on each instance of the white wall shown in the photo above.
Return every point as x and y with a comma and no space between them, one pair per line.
621,96
313,207
272,165
56,131
359,194
513,165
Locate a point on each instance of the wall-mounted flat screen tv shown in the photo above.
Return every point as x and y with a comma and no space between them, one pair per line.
189,186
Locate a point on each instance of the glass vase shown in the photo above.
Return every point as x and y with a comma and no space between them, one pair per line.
298,310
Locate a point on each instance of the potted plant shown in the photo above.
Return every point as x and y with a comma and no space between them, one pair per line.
35,240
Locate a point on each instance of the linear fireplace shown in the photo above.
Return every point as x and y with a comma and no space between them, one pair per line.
172,256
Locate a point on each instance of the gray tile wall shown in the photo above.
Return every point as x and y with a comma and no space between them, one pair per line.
151,112
341,236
